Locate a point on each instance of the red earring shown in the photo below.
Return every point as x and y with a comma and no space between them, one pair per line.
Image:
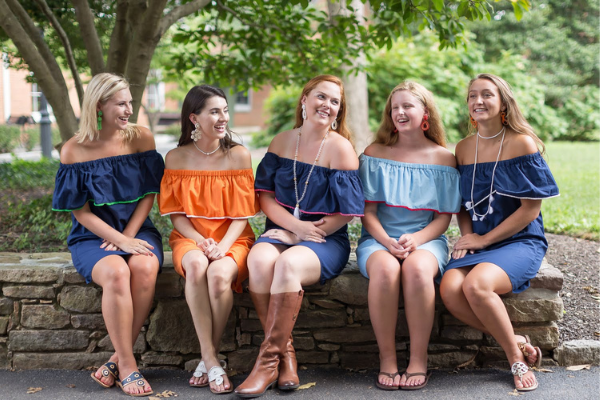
473,122
425,124
395,130
503,117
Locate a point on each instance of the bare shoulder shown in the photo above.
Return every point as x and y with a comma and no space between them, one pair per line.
375,150
145,140
343,155
281,141
175,159
463,148
240,157
71,152
443,156
520,145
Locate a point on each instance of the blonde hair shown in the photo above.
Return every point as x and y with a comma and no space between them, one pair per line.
386,135
514,117
100,89
342,126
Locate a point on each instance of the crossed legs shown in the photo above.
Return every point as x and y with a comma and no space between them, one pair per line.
472,296
210,299
127,293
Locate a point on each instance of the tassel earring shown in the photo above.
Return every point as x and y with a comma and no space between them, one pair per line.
473,122
99,120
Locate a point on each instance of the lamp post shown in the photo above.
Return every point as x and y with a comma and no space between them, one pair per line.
45,128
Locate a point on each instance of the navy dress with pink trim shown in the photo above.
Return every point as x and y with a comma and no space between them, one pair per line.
113,186
525,177
329,192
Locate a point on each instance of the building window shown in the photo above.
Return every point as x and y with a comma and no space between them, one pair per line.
156,97
35,98
243,102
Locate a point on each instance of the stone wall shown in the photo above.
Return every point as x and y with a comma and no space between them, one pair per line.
49,318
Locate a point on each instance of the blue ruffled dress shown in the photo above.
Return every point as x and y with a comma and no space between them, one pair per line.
329,192
408,196
525,177
113,187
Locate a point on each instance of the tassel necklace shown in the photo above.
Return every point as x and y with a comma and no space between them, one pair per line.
298,200
470,205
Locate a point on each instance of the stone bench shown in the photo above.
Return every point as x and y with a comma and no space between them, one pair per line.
49,318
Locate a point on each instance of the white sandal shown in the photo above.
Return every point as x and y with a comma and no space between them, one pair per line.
198,373
519,369
216,375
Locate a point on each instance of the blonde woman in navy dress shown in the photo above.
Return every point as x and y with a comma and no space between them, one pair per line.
503,181
108,177
309,189
411,190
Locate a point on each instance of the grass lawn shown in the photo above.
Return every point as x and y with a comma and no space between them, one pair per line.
576,168
28,224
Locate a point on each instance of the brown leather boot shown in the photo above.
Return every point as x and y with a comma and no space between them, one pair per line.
288,366
281,317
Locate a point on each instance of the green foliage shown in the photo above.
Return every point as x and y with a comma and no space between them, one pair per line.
163,224
9,138
281,108
173,130
560,42
24,175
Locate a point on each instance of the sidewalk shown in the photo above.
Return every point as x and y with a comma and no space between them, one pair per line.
329,384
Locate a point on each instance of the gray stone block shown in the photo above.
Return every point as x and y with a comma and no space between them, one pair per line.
21,274
461,334
83,299
44,316
169,284
545,336
6,306
312,357
138,347
534,305
242,360
87,321
358,361
29,292
59,360
47,340
153,358
311,319
3,325
304,343
350,288
172,329
578,352
548,277
452,359
70,275
346,335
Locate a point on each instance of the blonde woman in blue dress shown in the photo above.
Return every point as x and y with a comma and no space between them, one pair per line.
503,181
411,190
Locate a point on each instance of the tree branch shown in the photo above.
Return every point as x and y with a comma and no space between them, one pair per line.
120,40
66,44
179,12
35,35
54,89
85,18
243,21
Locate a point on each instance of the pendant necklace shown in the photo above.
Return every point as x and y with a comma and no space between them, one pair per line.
207,153
298,200
470,205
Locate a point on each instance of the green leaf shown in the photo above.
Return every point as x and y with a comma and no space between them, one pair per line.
438,4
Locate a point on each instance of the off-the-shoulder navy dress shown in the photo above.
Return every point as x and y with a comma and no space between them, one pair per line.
113,186
329,192
525,177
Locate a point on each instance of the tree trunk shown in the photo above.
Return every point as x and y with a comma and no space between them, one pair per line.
355,85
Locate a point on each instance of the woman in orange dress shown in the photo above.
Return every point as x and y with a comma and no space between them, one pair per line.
208,191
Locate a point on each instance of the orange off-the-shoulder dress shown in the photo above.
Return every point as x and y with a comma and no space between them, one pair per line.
210,200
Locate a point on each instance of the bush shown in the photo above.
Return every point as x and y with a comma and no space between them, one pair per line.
20,174
9,138
281,108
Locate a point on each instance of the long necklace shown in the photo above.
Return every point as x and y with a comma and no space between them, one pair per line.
210,152
470,205
298,200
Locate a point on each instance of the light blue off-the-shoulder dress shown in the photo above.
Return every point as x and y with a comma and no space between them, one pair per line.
408,196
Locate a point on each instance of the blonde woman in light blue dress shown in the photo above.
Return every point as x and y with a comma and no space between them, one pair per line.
411,190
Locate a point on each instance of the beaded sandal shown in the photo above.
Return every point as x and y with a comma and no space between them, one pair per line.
135,378
110,368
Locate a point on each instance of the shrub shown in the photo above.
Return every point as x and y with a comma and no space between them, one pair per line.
9,138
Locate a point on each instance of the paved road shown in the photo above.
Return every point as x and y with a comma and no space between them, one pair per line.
330,384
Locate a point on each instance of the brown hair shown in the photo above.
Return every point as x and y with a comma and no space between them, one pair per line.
386,135
514,116
342,127
194,102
